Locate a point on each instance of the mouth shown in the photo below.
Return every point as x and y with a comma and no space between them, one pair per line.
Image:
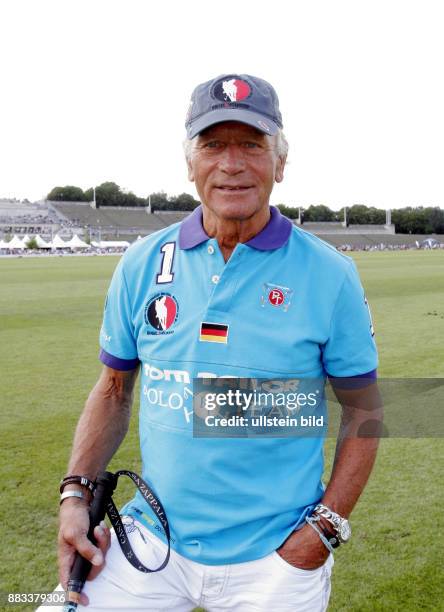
233,188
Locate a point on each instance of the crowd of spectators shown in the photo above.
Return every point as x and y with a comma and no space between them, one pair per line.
389,247
93,250
62,252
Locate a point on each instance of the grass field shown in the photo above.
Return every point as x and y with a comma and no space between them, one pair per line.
50,312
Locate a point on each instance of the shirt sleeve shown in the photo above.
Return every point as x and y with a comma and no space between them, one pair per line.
117,335
350,349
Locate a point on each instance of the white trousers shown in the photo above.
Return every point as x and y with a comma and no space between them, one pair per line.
266,584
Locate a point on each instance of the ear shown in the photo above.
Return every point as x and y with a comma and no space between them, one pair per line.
279,172
190,171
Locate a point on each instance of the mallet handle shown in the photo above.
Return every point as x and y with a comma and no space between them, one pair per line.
105,485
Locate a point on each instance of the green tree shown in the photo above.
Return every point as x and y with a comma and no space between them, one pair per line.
183,201
159,201
434,220
409,220
376,216
69,193
32,244
319,213
130,199
109,194
289,211
358,214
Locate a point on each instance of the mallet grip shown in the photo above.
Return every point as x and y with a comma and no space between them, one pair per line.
105,485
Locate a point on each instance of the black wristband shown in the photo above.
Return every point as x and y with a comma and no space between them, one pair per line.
332,539
83,481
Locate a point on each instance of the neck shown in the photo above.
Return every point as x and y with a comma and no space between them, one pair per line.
229,232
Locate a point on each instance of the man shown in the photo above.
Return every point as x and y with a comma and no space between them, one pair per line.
234,290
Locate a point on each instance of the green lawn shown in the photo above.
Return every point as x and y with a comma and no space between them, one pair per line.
50,311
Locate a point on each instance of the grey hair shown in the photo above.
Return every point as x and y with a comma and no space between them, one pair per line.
281,145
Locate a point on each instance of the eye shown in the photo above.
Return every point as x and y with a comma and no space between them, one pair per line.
251,145
212,144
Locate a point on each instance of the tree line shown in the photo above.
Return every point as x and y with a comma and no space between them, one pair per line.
408,220
110,194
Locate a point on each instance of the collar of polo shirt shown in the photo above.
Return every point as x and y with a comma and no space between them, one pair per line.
274,235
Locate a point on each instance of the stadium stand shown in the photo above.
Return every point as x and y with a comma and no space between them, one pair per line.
171,217
114,223
25,218
334,227
12,209
110,219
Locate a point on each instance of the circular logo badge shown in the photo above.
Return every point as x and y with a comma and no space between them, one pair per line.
276,297
232,90
161,311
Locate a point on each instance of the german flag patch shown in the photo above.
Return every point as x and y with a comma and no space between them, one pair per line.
213,332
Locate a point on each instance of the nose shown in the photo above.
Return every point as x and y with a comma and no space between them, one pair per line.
232,160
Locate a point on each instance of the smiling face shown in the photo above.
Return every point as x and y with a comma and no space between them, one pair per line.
234,167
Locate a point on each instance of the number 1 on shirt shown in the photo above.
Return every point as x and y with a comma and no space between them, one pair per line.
166,276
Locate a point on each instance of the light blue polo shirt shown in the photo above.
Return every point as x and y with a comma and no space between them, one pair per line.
292,306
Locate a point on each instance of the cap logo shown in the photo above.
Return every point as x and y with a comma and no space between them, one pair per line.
232,90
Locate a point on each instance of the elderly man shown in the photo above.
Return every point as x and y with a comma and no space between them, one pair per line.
234,290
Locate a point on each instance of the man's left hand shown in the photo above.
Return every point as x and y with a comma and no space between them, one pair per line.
303,549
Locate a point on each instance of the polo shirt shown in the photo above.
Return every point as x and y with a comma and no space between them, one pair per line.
285,305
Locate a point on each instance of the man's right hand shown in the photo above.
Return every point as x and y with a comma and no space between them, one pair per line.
74,525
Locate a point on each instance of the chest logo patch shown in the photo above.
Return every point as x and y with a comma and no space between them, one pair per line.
213,332
276,296
161,313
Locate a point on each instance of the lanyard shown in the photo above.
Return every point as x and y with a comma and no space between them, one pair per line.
103,503
114,516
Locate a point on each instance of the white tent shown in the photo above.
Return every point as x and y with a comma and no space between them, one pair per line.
429,243
77,243
58,243
122,244
4,245
42,244
25,241
16,243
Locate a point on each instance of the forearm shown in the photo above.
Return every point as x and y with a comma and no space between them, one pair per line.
103,424
100,430
356,449
354,462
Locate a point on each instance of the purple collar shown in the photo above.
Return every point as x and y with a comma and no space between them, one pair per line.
274,235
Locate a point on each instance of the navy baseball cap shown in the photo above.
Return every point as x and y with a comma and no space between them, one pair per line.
234,97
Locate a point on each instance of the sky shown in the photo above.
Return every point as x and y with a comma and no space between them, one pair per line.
97,90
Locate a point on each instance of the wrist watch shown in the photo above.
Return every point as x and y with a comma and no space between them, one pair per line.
340,524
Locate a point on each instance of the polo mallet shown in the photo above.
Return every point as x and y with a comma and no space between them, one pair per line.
103,504
105,485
